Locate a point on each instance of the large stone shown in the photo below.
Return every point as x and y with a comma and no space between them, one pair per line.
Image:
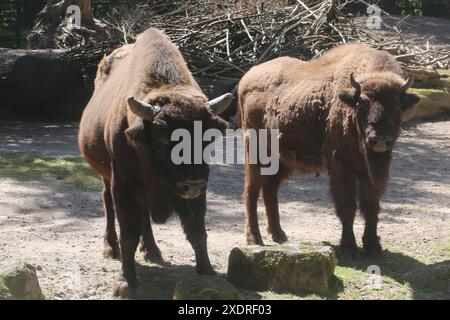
435,276
205,288
20,282
305,267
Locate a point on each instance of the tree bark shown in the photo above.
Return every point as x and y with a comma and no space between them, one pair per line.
50,28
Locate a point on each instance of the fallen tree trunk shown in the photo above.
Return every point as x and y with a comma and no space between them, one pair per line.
434,89
37,84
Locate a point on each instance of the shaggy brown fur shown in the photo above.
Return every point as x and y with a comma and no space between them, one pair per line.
133,155
326,123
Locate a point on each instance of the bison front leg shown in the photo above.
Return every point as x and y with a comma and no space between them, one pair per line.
369,202
111,243
343,190
148,243
130,217
192,216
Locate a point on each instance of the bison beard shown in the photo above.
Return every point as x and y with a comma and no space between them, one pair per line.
143,92
340,112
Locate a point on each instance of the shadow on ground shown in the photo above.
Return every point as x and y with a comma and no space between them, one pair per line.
159,282
393,265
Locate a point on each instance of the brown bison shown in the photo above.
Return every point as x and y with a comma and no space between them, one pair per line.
340,112
143,92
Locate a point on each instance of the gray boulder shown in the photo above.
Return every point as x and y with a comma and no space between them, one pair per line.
20,282
435,276
205,288
306,267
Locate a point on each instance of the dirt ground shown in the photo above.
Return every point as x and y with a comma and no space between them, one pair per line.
59,227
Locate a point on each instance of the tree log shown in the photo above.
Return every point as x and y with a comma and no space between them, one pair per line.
434,89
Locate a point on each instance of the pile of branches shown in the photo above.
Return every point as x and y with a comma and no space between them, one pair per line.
225,40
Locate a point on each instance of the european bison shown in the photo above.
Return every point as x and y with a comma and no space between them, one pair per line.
340,112
143,92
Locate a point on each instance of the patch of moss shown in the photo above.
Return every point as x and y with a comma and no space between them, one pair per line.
69,170
5,294
442,248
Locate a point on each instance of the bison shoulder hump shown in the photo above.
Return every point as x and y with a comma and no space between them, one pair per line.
106,65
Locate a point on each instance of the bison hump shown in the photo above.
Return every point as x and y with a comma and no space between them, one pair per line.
108,63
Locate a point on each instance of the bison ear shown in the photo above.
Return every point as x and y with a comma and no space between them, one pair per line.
409,100
137,130
349,97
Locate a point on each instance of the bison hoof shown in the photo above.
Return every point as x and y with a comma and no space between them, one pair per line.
153,256
279,237
123,290
349,248
206,270
111,252
254,239
372,247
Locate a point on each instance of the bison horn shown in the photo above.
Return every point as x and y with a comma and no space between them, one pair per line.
142,109
220,104
407,84
355,83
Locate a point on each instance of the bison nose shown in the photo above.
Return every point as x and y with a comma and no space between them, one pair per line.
380,143
191,189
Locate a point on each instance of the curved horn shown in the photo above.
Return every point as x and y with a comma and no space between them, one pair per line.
407,84
142,109
355,83
220,104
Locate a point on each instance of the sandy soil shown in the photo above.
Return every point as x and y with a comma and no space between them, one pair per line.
60,228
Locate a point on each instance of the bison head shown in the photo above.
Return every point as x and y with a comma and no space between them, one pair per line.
152,132
379,100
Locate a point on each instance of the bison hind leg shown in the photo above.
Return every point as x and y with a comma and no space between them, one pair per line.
111,243
270,189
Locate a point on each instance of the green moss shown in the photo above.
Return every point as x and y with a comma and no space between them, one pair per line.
69,170
5,294
441,248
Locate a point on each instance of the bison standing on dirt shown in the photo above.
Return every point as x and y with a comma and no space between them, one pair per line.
143,92
340,112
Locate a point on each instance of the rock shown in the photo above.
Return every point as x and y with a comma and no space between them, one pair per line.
435,276
20,282
306,267
205,288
